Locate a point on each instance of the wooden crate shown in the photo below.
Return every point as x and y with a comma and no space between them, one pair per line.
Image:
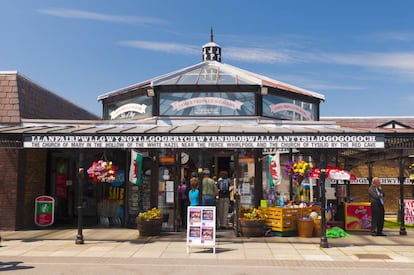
282,219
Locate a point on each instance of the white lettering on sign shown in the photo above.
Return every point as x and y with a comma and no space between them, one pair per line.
384,181
200,101
208,141
127,108
281,107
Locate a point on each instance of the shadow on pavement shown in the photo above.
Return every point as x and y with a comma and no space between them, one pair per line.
7,266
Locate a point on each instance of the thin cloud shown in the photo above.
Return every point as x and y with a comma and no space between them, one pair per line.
80,14
162,47
257,55
397,60
394,36
393,62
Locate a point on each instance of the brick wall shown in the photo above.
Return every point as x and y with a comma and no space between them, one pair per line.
8,188
35,183
382,169
20,185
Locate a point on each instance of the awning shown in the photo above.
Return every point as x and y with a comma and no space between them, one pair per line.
334,173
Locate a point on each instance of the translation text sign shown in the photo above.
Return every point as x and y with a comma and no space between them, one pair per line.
204,141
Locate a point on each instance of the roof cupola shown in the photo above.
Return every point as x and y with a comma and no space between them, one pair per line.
211,50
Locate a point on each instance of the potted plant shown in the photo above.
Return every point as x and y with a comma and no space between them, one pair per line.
149,223
298,170
252,221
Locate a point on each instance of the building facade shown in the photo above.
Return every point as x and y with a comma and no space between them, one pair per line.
158,132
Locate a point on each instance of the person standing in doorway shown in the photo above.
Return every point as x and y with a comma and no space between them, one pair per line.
224,186
194,193
209,188
183,190
376,197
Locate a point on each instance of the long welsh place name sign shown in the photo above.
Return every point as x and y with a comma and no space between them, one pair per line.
203,141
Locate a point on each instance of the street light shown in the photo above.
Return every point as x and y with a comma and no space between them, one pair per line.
81,177
324,240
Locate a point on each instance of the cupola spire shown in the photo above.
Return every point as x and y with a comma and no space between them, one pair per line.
211,50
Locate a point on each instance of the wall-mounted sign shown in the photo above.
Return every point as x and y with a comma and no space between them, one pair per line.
127,109
204,141
44,210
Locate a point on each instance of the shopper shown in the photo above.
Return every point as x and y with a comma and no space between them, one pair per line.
183,190
376,197
224,186
194,193
209,189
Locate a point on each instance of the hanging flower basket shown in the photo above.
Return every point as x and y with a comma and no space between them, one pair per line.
102,171
298,169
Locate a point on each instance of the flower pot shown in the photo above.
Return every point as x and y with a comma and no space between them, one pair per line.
305,227
252,228
151,227
317,227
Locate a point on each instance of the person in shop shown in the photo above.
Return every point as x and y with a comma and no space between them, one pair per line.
224,186
376,197
194,193
183,190
209,189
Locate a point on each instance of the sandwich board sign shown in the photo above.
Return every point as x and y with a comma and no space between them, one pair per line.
44,211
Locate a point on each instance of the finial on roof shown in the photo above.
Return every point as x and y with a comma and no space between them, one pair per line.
211,50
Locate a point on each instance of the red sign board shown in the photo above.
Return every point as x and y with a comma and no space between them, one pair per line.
61,191
358,216
44,210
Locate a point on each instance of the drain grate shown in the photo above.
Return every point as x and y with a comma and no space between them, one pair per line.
373,256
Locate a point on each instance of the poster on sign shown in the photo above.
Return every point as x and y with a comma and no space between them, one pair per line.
201,227
409,211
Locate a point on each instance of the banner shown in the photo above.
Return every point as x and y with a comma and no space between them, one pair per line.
274,169
135,169
409,211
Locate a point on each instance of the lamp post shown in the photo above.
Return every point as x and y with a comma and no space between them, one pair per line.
324,240
322,177
401,179
81,177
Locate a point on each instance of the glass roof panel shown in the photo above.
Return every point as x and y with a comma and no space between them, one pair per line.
190,77
171,81
208,74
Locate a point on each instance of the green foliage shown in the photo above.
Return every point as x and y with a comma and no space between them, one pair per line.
153,213
396,225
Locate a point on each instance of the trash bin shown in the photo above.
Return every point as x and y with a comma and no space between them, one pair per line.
305,227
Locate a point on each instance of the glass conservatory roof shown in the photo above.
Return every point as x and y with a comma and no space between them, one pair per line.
213,73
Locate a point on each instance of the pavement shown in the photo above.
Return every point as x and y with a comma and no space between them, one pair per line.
124,243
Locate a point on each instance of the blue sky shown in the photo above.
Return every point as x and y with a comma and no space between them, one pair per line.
359,54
